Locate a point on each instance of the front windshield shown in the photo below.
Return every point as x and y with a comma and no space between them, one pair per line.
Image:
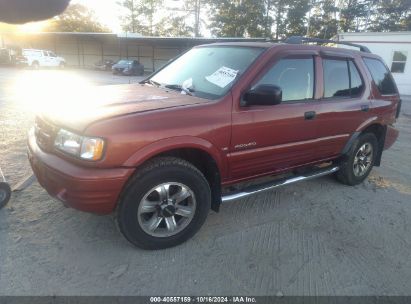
207,72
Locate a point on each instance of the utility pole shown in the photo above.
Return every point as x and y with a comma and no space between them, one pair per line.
197,13
133,17
197,16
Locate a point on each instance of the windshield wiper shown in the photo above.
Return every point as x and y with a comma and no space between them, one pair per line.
178,87
152,82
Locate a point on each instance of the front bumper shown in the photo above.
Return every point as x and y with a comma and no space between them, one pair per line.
87,189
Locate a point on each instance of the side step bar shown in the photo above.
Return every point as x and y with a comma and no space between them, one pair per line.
277,183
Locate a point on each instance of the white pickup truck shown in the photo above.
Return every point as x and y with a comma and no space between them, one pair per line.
43,58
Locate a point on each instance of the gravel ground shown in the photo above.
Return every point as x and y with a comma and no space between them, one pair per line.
313,238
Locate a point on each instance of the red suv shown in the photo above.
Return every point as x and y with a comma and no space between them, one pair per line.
161,154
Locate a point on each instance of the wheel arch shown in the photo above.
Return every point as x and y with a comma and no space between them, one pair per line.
375,127
200,153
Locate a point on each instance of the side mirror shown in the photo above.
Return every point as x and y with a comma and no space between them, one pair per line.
263,95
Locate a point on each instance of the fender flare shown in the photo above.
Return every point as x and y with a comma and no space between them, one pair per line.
372,121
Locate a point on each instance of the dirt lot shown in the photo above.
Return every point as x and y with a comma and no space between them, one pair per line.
313,238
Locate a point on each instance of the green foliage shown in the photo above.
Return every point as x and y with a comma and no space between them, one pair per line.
297,17
323,21
394,15
320,18
76,18
140,16
175,27
237,18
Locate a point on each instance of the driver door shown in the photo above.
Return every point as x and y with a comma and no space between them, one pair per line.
273,138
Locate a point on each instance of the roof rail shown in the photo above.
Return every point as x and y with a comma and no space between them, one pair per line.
301,40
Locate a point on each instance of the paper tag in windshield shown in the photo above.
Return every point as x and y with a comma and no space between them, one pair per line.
222,77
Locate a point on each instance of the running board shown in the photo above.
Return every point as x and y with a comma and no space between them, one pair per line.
276,184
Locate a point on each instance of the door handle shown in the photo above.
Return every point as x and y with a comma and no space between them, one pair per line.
310,115
365,108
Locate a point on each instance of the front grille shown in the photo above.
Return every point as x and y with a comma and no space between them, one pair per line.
45,134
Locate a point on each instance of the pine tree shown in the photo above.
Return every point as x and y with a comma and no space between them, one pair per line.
392,15
297,17
140,16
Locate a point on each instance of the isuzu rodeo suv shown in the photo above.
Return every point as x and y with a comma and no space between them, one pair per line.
160,154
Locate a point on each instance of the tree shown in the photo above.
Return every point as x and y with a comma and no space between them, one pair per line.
353,15
77,18
179,22
323,21
392,15
237,18
139,17
175,27
296,17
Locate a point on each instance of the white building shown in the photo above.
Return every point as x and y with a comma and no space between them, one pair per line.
394,48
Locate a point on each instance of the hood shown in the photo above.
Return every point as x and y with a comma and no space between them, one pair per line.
78,110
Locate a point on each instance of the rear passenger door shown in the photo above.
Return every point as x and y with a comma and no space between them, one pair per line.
345,104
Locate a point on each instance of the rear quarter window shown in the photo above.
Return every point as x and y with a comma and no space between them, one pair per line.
381,76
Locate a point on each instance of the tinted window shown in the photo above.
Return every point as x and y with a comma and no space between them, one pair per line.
356,82
341,79
381,76
295,77
336,78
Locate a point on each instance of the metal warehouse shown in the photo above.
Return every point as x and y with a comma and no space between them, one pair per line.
84,49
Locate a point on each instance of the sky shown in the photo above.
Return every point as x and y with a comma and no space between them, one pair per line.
107,11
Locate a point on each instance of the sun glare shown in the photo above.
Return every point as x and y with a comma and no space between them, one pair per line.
59,93
33,27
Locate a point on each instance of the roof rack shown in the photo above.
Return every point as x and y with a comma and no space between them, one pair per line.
301,40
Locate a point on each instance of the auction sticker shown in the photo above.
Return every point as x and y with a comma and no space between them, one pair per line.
222,77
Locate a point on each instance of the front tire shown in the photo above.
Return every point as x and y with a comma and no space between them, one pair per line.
35,65
360,160
164,204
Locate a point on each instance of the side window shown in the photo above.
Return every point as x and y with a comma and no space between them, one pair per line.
45,54
336,78
295,77
341,79
381,76
399,59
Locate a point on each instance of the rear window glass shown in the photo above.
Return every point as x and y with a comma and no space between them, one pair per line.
381,76
336,78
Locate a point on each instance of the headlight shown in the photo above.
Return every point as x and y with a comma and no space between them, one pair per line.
88,148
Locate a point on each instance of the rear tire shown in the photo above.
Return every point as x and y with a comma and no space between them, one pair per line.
164,204
5,193
361,159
